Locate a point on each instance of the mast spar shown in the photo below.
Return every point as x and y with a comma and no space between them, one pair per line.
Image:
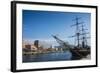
80,34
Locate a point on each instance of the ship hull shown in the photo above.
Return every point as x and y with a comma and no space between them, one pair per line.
79,54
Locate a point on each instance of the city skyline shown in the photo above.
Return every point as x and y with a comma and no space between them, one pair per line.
41,25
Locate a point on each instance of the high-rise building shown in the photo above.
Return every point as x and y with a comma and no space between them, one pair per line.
36,43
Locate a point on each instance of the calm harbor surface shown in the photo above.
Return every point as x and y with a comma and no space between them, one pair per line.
56,56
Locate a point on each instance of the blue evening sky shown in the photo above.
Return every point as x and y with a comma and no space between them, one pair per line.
42,24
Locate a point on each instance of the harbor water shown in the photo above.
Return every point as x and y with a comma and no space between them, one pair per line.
56,56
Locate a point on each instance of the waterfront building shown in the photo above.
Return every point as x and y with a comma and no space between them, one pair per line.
28,46
33,47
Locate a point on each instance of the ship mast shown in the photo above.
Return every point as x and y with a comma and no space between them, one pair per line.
80,34
84,37
77,34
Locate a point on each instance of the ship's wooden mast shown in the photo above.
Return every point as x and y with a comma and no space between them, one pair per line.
80,34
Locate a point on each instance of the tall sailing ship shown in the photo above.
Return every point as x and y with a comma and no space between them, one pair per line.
82,49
